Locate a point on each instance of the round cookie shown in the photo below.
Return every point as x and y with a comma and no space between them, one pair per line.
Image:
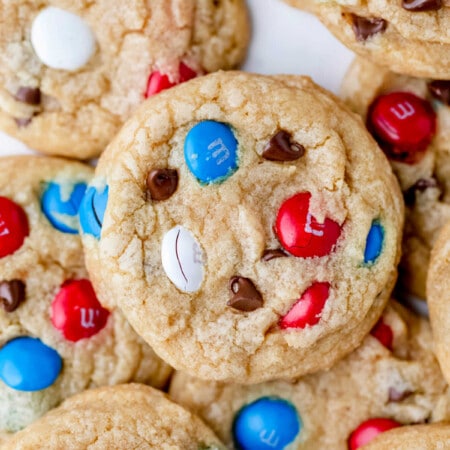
439,299
125,416
423,437
71,72
392,379
408,36
257,239
56,339
410,119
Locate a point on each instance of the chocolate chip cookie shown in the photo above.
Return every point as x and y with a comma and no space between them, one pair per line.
410,119
439,298
56,339
393,379
408,36
240,228
127,417
71,72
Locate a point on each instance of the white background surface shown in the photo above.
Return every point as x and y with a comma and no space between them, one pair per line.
285,40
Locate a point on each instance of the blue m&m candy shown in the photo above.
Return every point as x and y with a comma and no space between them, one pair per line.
26,364
374,243
210,151
269,423
92,210
60,204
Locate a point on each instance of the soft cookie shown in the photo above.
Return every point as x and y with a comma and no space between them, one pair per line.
56,339
408,36
71,72
121,417
438,291
391,380
410,119
248,227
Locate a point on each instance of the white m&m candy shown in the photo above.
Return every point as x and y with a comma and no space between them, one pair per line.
182,259
62,40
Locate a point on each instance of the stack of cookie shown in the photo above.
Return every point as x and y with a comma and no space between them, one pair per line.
244,230
400,86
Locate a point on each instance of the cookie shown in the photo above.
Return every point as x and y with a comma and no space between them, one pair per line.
420,437
71,72
438,297
56,339
391,380
410,119
408,36
125,417
241,229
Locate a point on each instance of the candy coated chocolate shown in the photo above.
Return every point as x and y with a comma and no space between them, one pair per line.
268,423
383,333
62,40
374,243
61,209
26,364
182,259
158,82
369,430
210,151
92,210
299,232
403,124
307,310
13,227
76,311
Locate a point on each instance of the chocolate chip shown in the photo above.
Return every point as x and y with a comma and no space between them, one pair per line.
245,295
282,148
28,95
364,27
273,253
162,183
422,5
398,396
12,294
22,123
420,186
440,89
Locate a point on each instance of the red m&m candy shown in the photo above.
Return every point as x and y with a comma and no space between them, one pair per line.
403,124
76,312
300,233
158,82
383,333
369,430
307,310
13,227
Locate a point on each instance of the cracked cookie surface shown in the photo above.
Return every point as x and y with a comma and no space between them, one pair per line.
56,339
409,37
256,237
73,71
126,416
420,156
393,376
